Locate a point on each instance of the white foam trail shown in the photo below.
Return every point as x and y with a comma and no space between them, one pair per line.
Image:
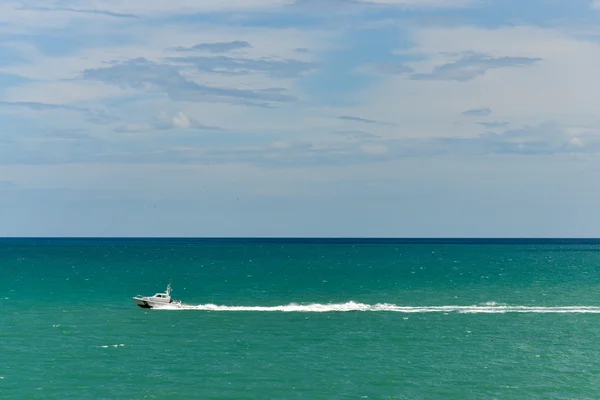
488,308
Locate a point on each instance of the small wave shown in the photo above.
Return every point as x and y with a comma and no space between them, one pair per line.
487,308
106,346
492,303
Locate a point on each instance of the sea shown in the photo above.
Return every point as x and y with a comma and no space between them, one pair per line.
300,319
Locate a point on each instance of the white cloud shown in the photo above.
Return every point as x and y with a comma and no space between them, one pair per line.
561,87
577,142
17,20
155,43
146,7
154,7
181,121
424,3
64,92
528,98
163,122
57,78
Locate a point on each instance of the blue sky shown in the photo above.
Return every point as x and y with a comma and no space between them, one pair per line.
390,118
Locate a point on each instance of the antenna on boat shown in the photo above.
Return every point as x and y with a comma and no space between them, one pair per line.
169,289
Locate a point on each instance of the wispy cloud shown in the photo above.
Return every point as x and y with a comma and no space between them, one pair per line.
57,147
78,147
98,116
219,47
362,120
421,3
164,122
471,65
143,74
543,139
358,135
540,139
40,106
412,4
154,9
224,65
494,124
394,68
478,112
80,10
294,154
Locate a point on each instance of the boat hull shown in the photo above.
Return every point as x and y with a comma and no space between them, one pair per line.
143,304
147,303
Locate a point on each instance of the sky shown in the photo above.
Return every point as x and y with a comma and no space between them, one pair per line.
300,118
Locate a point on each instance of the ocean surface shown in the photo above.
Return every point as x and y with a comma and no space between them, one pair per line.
300,319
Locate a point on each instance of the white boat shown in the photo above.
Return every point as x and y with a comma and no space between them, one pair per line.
159,299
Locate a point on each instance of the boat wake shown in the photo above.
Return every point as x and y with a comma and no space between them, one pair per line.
487,308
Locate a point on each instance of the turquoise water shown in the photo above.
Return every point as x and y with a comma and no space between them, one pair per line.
322,319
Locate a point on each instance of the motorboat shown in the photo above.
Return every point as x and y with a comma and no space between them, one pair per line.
159,299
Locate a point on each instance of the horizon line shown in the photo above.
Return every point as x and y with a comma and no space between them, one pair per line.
411,238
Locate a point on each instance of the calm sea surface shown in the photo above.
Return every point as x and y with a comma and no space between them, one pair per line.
300,319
